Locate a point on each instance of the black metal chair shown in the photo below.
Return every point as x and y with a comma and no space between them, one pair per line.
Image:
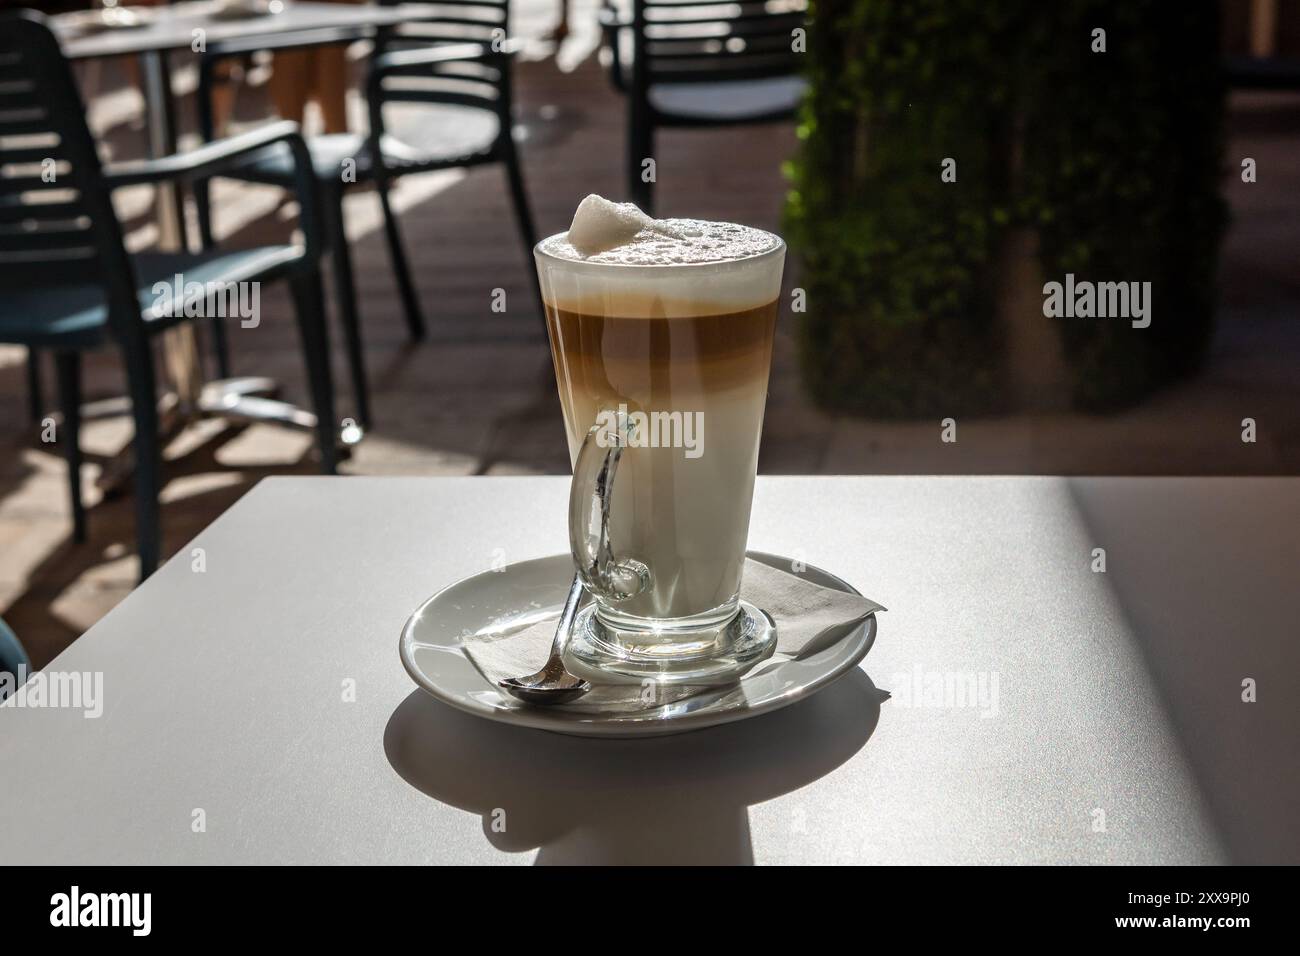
454,59
698,63
67,283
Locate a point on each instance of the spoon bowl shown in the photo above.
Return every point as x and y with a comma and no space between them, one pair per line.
553,684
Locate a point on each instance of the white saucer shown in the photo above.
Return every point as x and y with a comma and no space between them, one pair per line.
529,591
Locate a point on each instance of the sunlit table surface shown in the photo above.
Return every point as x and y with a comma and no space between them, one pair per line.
254,708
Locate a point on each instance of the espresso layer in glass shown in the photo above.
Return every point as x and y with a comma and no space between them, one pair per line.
682,498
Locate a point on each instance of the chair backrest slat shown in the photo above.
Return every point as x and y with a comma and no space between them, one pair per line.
24,121
440,96
34,239
28,182
449,21
719,9
773,25
53,211
667,49
15,94
480,14
691,41
451,24
11,67
470,70
707,73
38,151
57,222
482,83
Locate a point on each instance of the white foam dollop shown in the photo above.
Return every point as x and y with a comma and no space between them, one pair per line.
600,225
621,234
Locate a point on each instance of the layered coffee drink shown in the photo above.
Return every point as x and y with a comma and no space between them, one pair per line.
666,337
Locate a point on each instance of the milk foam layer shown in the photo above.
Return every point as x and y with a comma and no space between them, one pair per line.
672,268
681,242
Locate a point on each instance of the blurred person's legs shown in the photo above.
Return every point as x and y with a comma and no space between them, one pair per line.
318,74
331,87
289,84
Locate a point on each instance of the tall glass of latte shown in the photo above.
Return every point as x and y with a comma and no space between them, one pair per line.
662,347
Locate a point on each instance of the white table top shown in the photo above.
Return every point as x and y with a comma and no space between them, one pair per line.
1117,692
172,27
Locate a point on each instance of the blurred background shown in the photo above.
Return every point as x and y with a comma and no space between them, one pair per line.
1168,154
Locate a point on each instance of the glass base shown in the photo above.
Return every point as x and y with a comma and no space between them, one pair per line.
601,652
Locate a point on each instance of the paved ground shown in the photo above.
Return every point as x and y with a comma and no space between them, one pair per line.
477,396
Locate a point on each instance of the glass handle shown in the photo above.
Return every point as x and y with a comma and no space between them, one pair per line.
605,576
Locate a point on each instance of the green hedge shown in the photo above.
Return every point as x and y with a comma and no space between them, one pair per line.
1112,157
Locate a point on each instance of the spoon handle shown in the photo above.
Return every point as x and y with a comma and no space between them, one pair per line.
565,624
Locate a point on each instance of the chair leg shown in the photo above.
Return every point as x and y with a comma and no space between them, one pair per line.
523,217
346,297
220,346
35,392
148,452
308,303
410,298
203,210
640,146
519,196
68,366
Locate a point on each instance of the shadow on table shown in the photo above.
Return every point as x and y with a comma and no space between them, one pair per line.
1205,572
678,799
